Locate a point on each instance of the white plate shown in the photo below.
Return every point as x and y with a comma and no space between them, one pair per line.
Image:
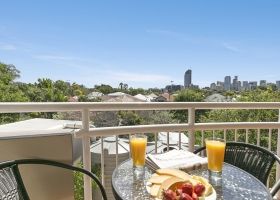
213,196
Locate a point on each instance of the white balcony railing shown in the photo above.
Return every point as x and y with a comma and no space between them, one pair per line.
190,126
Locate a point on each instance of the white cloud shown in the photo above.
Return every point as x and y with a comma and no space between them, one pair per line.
230,47
7,47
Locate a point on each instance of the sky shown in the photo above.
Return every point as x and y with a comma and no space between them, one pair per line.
143,43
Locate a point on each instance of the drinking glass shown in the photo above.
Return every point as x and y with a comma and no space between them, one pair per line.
138,144
215,148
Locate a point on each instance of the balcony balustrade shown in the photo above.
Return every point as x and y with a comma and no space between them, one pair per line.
190,127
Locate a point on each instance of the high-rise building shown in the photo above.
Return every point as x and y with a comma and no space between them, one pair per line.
278,85
220,86
245,85
213,86
227,83
253,85
188,79
235,83
263,83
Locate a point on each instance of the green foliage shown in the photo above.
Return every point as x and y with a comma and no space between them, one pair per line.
188,95
260,95
79,181
129,118
105,89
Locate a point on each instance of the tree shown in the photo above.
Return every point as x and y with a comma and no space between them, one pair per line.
188,95
9,90
105,89
121,85
125,86
258,95
129,118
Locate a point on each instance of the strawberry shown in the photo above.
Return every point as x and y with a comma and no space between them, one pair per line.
179,192
199,189
187,188
169,195
194,196
185,196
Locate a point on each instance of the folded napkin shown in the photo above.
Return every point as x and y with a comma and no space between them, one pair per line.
178,159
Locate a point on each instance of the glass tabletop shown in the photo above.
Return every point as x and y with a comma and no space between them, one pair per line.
236,184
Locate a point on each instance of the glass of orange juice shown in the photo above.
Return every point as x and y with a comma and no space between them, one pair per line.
138,144
215,148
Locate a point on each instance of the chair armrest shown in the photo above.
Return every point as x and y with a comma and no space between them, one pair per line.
199,150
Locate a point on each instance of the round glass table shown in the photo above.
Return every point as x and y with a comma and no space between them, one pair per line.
235,184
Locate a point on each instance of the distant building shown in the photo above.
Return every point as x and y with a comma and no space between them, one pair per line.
220,86
213,86
116,94
94,95
188,78
195,87
238,85
278,85
263,83
227,83
245,85
253,85
235,84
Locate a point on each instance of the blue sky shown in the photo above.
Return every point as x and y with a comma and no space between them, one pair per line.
141,43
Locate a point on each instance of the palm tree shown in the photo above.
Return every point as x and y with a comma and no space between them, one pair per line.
121,85
125,86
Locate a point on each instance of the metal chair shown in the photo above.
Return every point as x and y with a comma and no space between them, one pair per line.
12,186
253,159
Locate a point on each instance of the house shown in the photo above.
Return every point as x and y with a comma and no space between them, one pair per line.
94,95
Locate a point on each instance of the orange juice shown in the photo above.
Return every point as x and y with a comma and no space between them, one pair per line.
138,150
215,153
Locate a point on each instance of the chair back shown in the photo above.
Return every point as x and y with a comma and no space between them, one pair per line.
253,159
11,185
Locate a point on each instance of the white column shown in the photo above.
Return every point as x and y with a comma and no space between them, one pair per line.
278,153
86,155
191,121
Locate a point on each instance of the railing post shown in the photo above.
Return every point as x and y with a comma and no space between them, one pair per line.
86,155
278,154
191,121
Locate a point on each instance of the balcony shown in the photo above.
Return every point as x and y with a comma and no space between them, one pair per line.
196,132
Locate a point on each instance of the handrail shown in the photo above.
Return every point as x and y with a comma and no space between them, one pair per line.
122,130
16,107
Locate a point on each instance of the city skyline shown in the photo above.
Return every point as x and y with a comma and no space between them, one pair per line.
139,43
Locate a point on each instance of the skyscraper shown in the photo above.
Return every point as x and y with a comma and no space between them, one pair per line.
188,78
235,83
227,83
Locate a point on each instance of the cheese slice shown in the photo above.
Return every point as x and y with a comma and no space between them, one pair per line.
158,179
155,190
174,172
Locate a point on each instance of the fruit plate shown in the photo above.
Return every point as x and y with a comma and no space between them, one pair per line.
212,196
